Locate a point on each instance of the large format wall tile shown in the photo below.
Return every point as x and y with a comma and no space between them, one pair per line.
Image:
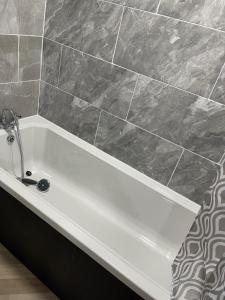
9,16
91,26
210,13
22,97
31,16
219,91
100,29
72,114
185,119
56,28
145,152
193,177
106,86
149,5
30,56
51,61
22,16
8,58
184,55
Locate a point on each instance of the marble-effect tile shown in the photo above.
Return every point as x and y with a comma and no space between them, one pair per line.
100,29
104,85
205,12
185,119
57,11
147,153
187,56
8,58
21,97
30,57
193,177
51,61
91,26
9,17
31,16
22,16
72,114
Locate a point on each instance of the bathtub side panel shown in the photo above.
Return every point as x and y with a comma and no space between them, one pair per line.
63,267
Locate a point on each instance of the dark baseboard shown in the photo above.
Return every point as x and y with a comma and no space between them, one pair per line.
64,268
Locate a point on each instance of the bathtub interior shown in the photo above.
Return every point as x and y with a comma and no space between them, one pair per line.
143,227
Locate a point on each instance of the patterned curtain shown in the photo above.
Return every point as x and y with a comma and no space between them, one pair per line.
199,268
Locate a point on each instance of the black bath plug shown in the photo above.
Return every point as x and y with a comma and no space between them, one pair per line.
28,181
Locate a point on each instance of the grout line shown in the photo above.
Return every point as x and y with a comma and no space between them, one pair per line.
117,4
43,38
194,153
168,17
41,63
94,143
162,138
221,161
43,28
170,85
20,34
90,55
136,83
61,89
18,58
60,63
177,145
210,95
157,10
190,23
117,38
39,95
41,58
185,91
16,82
65,92
175,167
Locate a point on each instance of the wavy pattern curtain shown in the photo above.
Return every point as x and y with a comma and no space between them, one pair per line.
199,268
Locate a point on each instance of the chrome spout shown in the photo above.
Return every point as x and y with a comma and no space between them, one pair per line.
9,121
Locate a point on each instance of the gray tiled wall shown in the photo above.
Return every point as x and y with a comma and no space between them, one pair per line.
21,31
143,80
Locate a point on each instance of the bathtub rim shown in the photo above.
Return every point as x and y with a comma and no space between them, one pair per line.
168,193
94,248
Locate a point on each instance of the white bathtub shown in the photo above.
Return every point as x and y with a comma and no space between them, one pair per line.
129,223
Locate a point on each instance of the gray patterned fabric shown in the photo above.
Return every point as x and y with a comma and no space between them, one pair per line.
199,268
